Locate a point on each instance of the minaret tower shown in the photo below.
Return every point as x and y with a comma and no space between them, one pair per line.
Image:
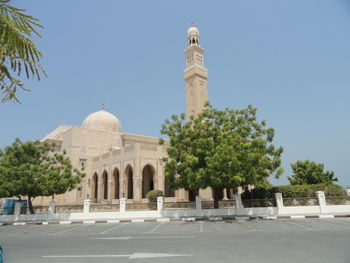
195,74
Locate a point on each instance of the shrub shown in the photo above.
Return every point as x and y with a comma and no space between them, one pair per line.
294,191
152,198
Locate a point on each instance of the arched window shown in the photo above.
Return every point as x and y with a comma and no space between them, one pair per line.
105,185
147,180
168,192
115,186
130,184
95,187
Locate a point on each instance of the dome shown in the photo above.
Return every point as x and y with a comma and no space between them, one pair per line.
102,121
193,31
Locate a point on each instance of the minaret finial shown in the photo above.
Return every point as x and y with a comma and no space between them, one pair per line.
103,105
192,23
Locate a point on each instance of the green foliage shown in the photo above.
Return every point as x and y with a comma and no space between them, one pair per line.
17,51
294,191
33,169
306,172
220,149
152,198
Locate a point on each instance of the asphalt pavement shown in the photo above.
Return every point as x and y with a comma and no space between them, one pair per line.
298,240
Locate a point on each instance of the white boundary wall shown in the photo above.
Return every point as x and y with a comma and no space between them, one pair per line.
160,212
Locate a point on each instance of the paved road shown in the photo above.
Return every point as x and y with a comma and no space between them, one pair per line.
282,241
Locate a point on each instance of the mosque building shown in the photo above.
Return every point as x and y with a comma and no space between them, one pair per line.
122,165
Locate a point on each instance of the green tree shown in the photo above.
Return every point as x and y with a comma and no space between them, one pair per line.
220,149
33,169
18,52
307,172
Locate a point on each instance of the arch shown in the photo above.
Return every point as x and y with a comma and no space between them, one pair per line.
105,185
130,183
192,195
95,187
168,192
115,184
147,179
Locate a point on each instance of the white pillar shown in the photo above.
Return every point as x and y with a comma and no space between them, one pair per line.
198,203
348,192
52,208
160,203
122,205
321,201
238,201
17,212
279,200
87,204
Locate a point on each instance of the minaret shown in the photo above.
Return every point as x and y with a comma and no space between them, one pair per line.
195,74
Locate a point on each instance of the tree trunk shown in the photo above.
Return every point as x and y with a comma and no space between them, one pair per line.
216,197
30,204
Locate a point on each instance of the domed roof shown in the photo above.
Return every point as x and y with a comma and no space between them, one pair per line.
193,31
102,121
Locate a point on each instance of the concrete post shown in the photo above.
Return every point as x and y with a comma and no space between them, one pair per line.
279,200
122,205
17,212
160,203
87,204
321,201
348,192
198,203
52,208
238,201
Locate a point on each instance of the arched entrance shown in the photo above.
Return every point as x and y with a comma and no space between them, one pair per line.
130,183
147,180
95,187
192,195
105,185
168,192
115,184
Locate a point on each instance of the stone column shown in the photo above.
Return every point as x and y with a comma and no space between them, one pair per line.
198,203
52,208
17,212
238,201
160,202
321,201
111,190
225,195
100,191
348,192
87,204
122,205
137,189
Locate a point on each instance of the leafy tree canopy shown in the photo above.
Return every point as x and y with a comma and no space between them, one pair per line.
33,169
307,172
220,149
18,52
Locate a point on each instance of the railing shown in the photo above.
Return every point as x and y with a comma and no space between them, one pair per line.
179,205
69,208
104,208
300,201
338,200
222,204
268,202
137,206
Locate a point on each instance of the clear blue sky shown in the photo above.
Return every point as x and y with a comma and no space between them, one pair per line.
290,59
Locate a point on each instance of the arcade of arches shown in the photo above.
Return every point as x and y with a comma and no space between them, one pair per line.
116,185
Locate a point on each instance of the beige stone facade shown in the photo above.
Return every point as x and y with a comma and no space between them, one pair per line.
126,165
